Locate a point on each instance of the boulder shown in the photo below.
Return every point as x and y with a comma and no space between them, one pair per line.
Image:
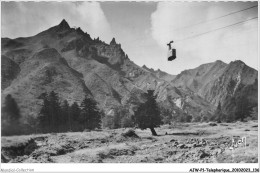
181,146
130,133
175,143
213,124
203,154
173,140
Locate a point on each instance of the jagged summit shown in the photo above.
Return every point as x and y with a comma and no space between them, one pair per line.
64,24
151,69
144,66
113,41
61,27
79,30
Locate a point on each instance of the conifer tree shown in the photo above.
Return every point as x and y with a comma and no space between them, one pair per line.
45,119
10,117
11,108
50,113
243,108
55,111
90,115
147,114
65,117
74,114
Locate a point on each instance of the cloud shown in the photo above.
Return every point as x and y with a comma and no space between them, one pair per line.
30,18
173,21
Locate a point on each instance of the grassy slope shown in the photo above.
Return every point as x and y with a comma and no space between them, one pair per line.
109,146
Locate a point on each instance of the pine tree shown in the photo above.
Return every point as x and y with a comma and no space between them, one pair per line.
85,113
45,119
54,111
65,117
148,113
97,120
74,114
90,114
11,108
10,117
243,108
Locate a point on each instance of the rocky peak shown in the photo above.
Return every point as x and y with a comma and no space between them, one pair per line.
79,30
97,39
152,70
63,25
82,33
113,41
144,66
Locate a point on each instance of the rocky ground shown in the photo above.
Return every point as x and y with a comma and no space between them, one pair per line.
178,143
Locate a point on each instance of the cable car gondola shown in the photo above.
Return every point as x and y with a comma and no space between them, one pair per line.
171,52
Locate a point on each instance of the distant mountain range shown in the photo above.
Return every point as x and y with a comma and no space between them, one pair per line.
68,61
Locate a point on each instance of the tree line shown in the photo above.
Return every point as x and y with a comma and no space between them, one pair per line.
62,117
59,116
54,116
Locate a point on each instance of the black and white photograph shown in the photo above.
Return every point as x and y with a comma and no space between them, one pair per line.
129,82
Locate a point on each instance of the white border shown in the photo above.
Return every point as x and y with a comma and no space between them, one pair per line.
128,167
122,167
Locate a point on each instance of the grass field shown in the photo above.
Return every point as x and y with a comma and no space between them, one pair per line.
178,143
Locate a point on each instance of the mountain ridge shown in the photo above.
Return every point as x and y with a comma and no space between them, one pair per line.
68,61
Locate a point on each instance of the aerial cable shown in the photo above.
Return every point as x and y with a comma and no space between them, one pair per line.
238,23
204,21
217,29
214,18
172,52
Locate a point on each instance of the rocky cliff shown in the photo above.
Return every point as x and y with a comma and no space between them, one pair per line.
68,61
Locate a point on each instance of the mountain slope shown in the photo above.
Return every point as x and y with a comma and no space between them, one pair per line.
45,71
197,79
219,82
160,74
68,61
9,71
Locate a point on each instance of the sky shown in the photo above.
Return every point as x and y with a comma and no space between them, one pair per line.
144,28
